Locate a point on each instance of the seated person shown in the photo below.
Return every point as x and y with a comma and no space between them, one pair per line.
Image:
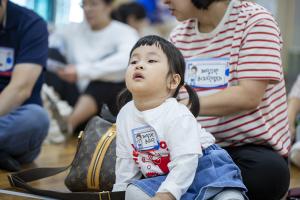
23,49
96,51
133,14
241,86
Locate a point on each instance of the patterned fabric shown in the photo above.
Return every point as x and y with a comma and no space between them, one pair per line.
77,179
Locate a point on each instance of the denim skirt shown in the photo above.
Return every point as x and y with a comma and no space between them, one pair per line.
216,171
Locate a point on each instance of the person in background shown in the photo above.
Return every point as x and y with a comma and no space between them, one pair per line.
236,47
293,112
23,53
96,51
160,139
133,14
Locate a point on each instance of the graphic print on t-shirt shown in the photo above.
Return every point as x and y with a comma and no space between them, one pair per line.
150,154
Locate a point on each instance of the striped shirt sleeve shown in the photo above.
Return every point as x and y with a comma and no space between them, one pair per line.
259,57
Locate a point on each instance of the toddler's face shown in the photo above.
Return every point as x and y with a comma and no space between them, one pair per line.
147,72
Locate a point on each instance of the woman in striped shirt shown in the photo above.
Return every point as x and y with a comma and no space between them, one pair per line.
236,46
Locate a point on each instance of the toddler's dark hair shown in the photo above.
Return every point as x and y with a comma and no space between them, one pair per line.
176,66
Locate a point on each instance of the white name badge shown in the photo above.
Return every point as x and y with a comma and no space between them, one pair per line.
207,73
6,59
145,138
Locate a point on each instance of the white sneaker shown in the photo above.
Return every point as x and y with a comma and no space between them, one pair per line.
295,154
55,135
60,110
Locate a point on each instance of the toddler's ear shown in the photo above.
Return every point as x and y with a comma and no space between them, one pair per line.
174,81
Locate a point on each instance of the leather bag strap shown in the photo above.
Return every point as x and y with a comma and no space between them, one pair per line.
20,180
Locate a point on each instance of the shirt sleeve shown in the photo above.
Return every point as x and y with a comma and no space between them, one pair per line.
122,142
183,137
57,39
113,67
295,91
259,55
181,176
34,44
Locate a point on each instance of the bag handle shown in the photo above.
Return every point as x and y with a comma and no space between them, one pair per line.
20,179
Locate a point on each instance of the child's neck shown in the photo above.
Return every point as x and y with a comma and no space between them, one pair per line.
147,103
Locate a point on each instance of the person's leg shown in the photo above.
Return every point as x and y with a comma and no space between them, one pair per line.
108,95
85,108
265,173
22,132
67,91
112,102
90,103
229,194
135,193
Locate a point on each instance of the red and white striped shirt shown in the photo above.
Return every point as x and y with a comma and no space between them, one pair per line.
250,38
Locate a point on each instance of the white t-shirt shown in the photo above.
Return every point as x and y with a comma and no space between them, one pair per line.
155,141
244,46
97,55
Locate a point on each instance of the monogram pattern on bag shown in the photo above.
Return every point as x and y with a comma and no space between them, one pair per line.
76,180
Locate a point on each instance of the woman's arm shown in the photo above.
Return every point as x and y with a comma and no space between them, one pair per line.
246,96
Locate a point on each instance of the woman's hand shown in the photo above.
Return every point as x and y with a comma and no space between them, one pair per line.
163,196
68,74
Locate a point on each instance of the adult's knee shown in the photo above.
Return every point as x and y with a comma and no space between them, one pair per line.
39,120
23,122
268,178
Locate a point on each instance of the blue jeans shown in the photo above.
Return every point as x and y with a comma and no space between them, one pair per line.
22,132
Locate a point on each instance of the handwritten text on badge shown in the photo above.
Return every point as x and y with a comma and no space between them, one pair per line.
145,138
207,73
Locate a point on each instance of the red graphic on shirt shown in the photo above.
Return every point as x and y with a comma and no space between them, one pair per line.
154,157
152,174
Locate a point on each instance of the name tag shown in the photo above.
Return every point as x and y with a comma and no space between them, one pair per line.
207,73
145,138
6,59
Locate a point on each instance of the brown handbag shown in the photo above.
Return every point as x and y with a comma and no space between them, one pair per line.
91,174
